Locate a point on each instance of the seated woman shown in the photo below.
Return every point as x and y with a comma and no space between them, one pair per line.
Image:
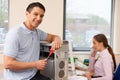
105,65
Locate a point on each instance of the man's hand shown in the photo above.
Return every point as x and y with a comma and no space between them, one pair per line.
41,64
57,43
13,64
55,40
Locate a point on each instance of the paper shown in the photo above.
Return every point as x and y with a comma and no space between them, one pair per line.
80,73
77,78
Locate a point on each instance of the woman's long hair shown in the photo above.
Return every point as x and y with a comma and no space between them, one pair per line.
102,38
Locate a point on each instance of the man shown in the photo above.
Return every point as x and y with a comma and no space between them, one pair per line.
22,45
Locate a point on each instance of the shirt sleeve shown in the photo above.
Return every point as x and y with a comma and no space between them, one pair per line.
107,69
42,35
11,45
91,64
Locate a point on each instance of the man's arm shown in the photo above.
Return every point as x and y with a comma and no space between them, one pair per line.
13,64
56,41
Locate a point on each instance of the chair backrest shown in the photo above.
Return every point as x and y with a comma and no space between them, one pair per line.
117,73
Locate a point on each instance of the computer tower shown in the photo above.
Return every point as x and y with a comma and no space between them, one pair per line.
57,66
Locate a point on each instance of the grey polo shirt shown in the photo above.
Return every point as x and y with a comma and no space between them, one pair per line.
23,45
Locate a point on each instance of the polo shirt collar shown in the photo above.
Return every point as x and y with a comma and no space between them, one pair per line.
26,29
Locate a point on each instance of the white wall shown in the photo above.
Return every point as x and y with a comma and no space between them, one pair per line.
117,28
53,19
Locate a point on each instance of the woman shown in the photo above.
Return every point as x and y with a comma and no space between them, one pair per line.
105,65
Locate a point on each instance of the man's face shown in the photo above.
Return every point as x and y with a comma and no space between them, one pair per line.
35,17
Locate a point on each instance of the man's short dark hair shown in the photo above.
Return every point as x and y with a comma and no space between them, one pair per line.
34,4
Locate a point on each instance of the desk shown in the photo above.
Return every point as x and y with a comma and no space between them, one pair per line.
77,78
73,76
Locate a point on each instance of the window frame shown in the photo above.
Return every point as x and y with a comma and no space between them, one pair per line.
111,27
2,44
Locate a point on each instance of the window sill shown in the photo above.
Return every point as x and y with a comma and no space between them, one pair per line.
81,52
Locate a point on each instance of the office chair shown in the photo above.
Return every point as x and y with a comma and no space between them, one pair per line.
117,73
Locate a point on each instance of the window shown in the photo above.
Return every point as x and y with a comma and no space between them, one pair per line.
85,18
3,21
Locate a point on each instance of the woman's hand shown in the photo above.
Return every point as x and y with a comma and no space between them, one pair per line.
88,75
93,53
